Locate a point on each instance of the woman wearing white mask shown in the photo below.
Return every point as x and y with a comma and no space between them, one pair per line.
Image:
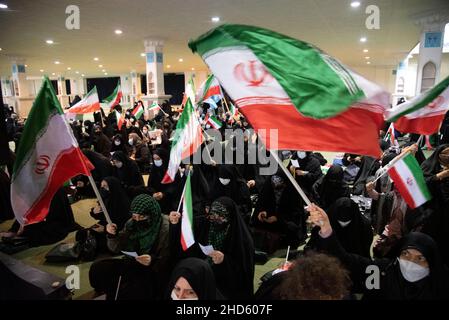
306,169
415,272
192,279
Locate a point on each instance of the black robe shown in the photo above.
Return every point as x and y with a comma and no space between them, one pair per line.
129,174
330,187
6,212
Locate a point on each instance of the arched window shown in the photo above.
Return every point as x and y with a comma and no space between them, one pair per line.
428,76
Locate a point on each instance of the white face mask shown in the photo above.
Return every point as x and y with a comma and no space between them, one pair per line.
344,224
117,142
175,297
118,164
224,182
301,154
158,163
130,141
411,271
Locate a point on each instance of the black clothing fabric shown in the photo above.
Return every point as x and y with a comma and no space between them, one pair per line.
6,211
129,174
368,168
330,187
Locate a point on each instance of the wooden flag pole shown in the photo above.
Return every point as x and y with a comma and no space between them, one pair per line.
100,200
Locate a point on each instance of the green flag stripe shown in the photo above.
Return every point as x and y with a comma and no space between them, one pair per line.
113,95
45,106
414,167
319,87
188,201
427,98
182,122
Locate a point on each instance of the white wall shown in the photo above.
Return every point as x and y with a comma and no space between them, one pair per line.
381,75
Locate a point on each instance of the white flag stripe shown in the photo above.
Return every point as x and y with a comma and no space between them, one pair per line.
407,175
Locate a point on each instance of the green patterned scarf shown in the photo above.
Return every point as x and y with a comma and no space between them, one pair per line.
219,225
143,234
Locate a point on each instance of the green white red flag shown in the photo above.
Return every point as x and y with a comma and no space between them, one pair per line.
187,238
114,98
90,103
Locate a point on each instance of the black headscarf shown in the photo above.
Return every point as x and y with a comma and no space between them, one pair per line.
368,168
358,235
117,202
158,173
103,167
330,187
199,275
129,173
432,165
434,286
235,275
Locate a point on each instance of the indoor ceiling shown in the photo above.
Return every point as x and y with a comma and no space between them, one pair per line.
332,25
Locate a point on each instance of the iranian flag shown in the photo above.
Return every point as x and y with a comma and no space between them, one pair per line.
90,103
187,138
138,111
424,113
154,106
189,92
187,239
213,122
120,119
409,180
390,135
114,98
310,100
48,156
210,88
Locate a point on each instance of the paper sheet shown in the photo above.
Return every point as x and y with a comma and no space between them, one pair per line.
131,254
207,249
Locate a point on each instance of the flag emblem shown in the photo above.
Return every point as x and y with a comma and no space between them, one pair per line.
42,164
253,73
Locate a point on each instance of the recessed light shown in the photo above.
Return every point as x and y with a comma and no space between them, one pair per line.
193,69
168,66
26,66
118,31
49,41
367,58
53,74
368,62
105,73
41,70
363,39
1,49
103,70
215,19
96,59
68,68
82,75
181,60
57,62
100,66
77,72
366,50
142,54
3,6
355,4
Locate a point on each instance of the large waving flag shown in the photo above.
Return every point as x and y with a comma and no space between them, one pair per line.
188,137
90,103
120,119
210,88
189,93
424,113
114,98
48,155
409,180
282,83
187,238
138,111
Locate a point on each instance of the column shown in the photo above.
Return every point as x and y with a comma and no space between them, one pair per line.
401,78
62,92
154,71
136,88
125,83
430,50
21,89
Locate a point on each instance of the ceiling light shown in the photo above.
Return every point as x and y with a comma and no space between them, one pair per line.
57,62
82,75
142,54
77,72
366,50
168,66
49,41
193,69
1,49
100,66
105,73
368,62
53,74
103,70
355,4
41,70
3,6
363,39
26,66
118,31
68,68
96,59
367,58
181,60
215,19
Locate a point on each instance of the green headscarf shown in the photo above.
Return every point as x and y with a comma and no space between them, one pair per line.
143,234
218,231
